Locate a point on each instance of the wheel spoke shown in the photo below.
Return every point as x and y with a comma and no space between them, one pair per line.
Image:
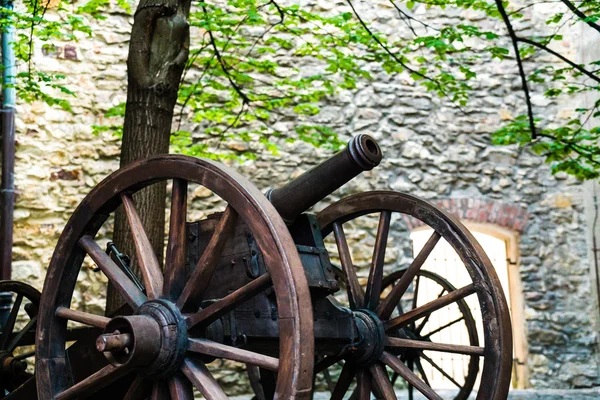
25,355
441,328
10,322
355,292
399,306
221,307
255,382
82,317
126,288
326,362
180,388
328,380
422,372
93,383
416,292
176,247
343,383
426,319
17,338
382,381
147,261
419,312
387,306
214,349
200,376
446,375
137,389
426,345
410,377
160,391
411,388
376,273
363,385
205,268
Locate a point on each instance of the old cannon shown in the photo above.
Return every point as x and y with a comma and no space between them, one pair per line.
257,284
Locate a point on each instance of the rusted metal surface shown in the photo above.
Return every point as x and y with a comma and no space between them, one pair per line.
362,154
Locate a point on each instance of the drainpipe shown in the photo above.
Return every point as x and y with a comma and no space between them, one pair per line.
7,126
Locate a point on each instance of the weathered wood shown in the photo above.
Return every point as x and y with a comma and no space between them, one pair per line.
344,381
210,348
205,268
227,303
175,274
355,292
387,306
430,307
200,376
410,377
382,382
124,286
376,272
16,339
93,383
363,387
426,345
10,322
442,327
440,370
160,391
82,317
180,388
146,258
137,390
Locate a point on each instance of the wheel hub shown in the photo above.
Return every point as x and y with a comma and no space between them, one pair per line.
10,366
372,338
155,339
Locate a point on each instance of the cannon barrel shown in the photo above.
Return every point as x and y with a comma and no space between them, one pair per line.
361,154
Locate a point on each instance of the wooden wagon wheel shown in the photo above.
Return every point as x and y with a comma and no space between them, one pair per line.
13,341
424,330
156,350
382,327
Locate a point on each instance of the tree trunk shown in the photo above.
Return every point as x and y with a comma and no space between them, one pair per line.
158,51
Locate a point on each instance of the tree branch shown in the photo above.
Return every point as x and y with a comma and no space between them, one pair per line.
580,14
514,39
561,57
233,84
409,18
382,45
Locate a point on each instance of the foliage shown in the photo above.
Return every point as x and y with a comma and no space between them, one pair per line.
237,83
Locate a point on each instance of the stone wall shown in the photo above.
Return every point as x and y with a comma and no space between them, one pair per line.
432,150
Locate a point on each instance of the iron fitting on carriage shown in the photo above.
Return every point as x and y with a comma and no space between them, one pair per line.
132,340
371,341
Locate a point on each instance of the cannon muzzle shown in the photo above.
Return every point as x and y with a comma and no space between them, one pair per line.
362,154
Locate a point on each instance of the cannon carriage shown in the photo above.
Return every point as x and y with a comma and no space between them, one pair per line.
256,284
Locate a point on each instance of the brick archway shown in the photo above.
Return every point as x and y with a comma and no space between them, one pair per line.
508,216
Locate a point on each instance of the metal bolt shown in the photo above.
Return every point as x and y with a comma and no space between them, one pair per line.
113,341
